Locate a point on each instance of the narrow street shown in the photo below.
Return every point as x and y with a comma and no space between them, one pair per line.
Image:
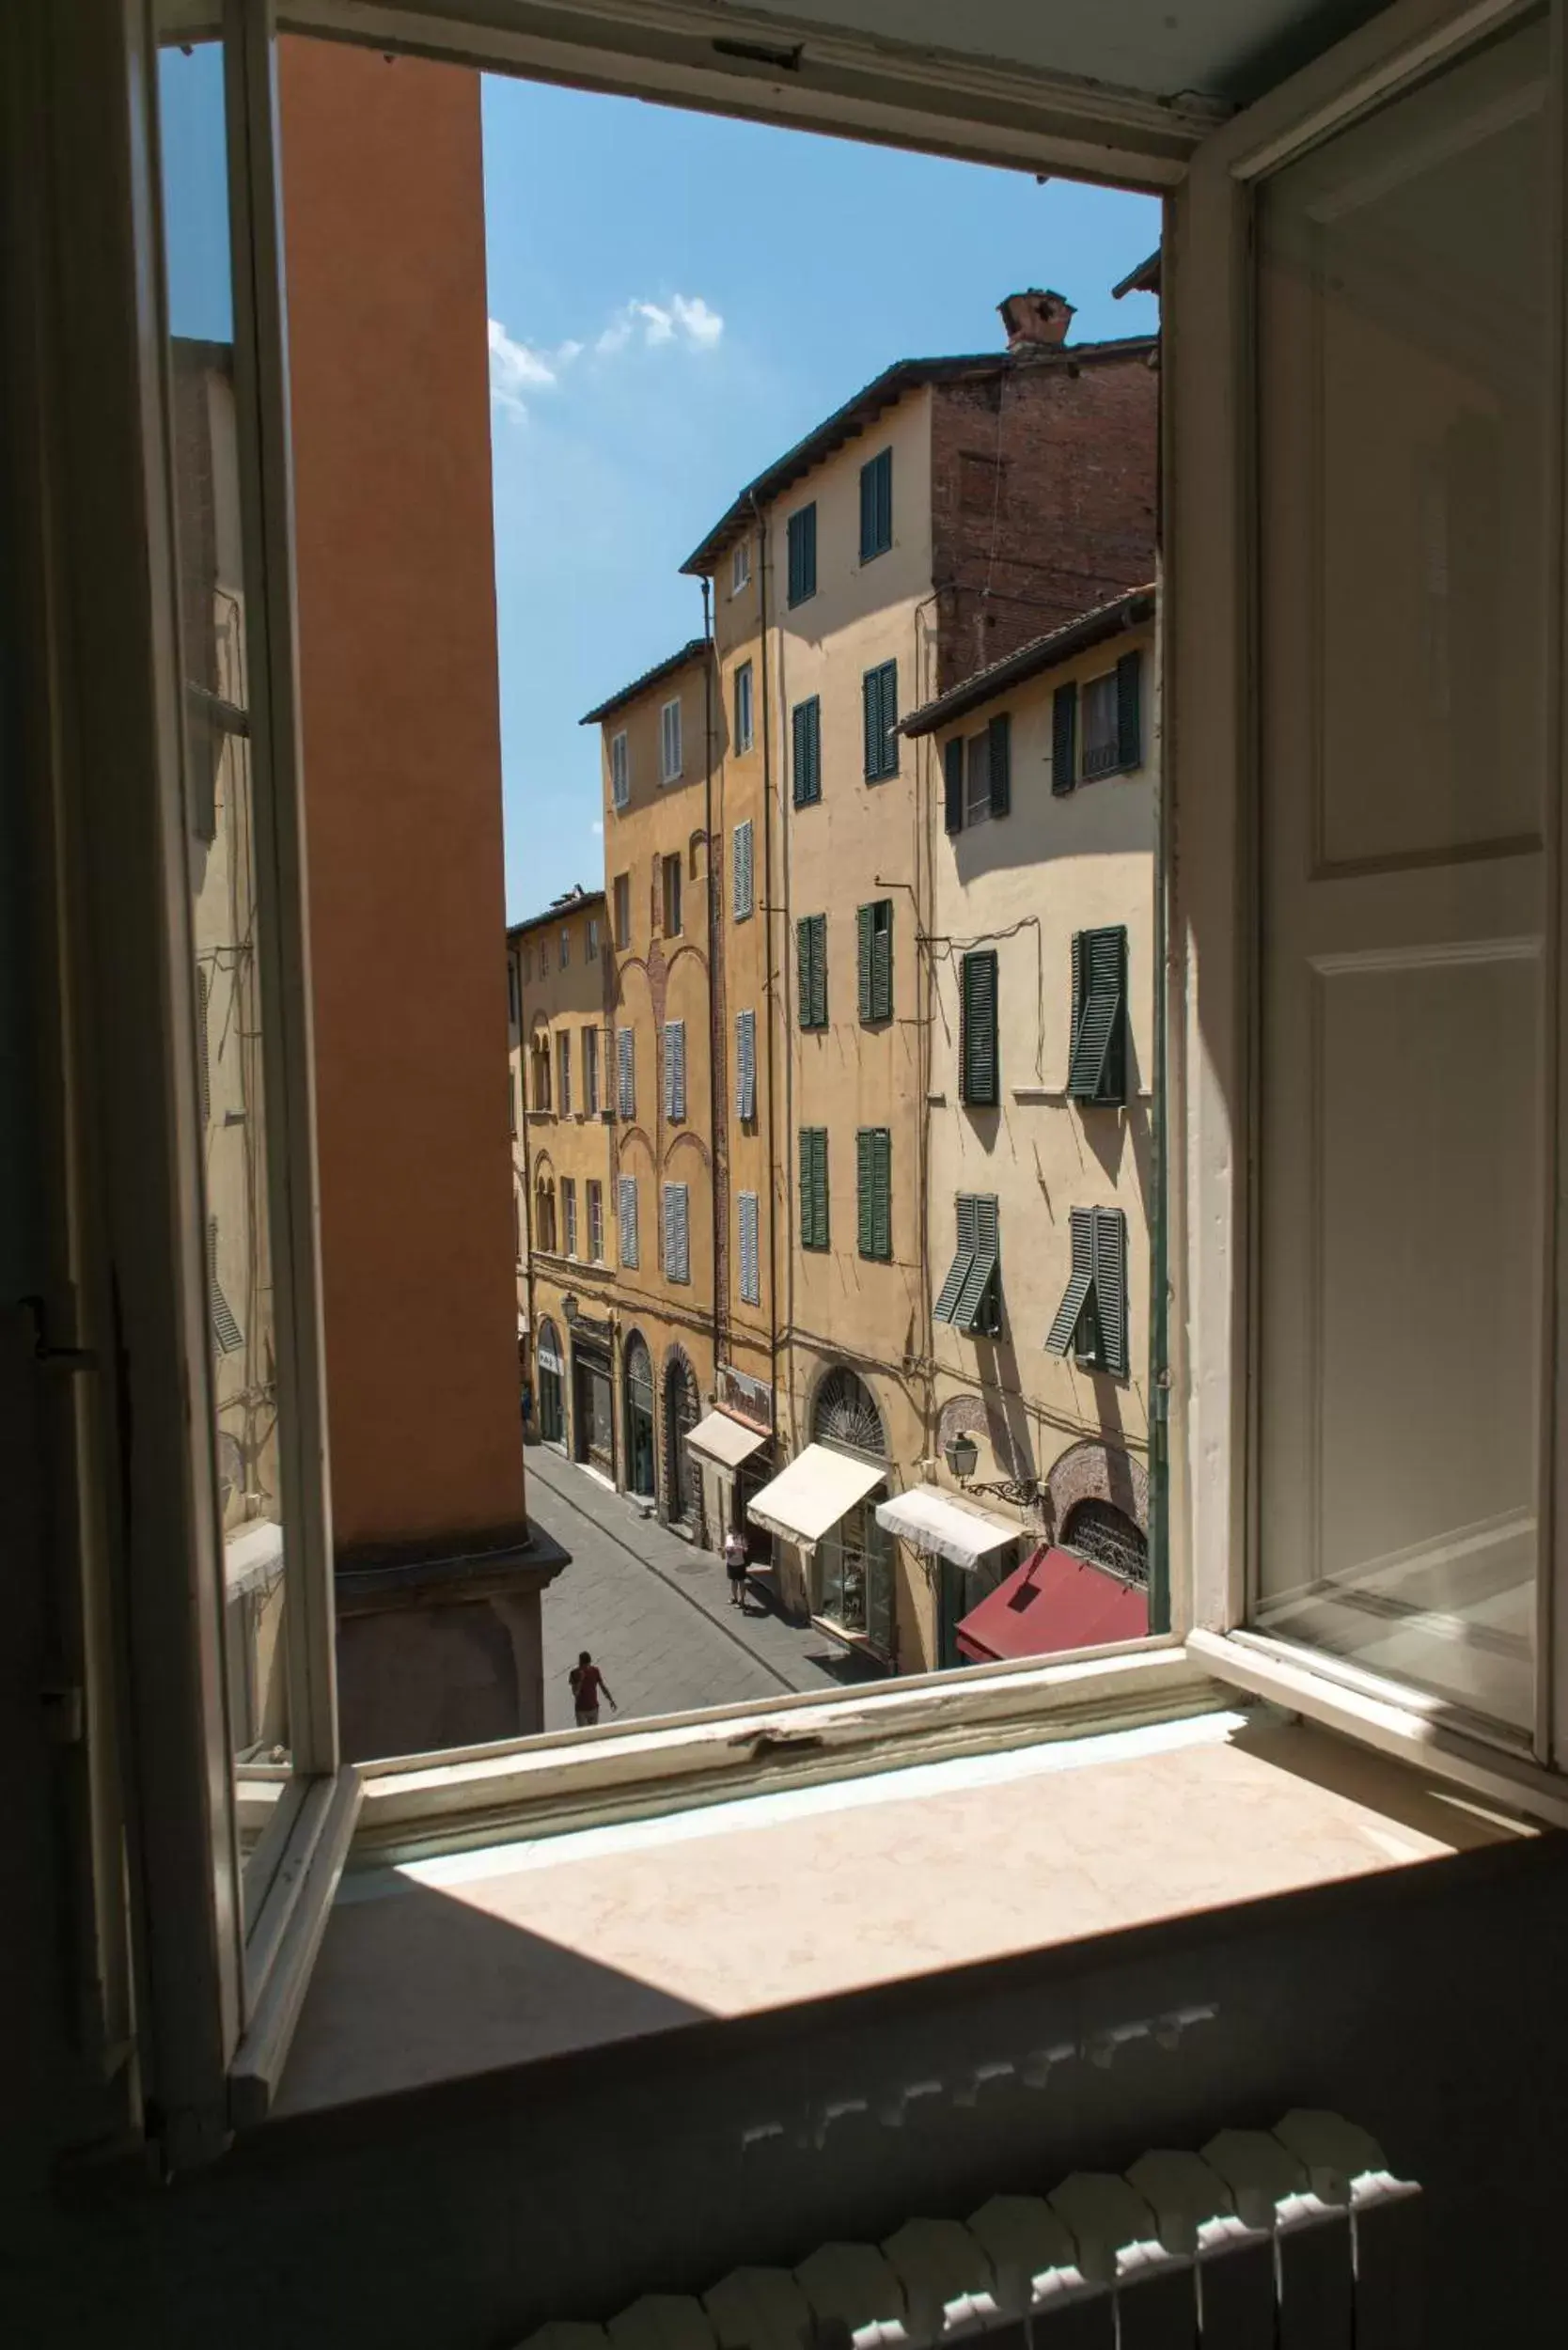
655,1613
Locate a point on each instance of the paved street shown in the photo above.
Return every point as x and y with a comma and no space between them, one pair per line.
655,1612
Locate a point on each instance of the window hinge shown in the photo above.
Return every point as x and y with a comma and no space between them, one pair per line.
62,1710
57,1358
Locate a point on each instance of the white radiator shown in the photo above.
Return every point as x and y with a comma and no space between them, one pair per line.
1295,2238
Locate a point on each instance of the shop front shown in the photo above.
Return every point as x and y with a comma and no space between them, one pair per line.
964,1553
824,1505
552,1388
725,1449
593,1395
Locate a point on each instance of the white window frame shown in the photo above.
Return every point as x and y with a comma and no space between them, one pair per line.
566,947
745,725
669,740
740,565
621,910
1103,687
595,1205
591,949
621,770
1204,661
563,1072
590,1071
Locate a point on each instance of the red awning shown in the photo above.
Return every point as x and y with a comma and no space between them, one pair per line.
1053,1602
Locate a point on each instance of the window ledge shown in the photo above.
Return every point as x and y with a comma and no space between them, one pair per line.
1392,1721
485,1963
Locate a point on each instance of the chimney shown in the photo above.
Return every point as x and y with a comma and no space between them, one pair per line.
1036,320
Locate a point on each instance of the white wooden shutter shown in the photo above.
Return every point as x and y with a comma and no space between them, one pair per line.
746,1064
675,1070
677,1247
626,1215
751,1277
626,1074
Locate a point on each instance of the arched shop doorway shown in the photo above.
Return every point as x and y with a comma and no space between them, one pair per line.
639,1417
682,1410
551,1367
852,1574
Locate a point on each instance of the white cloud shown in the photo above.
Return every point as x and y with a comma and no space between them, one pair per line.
516,368
597,826
685,318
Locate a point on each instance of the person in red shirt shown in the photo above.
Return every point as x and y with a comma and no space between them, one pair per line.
586,1682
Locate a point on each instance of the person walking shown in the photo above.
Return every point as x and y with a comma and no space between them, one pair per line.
734,1566
587,1683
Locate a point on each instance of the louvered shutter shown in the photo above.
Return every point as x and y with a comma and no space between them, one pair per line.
952,784
626,1217
626,1073
999,747
740,871
865,1180
677,1256
876,505
1097,1067
865,922
973,1308
675,1070
889,718
882,961
801,534
750,1226
1110,1288
746,1064
977,1052
1129,712
1064,738
226,1334
813,1188
958,1272
1080,1283
871,712
805,751
868,512
204,1065
882,1193
804,961
819,1188
811,956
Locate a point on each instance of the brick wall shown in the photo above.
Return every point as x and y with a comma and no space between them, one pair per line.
1042,498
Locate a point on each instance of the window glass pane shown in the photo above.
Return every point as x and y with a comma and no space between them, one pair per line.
224,859
976,789
1404,364
1101,734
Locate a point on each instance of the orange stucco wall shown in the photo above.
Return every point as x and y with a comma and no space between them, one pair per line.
385,230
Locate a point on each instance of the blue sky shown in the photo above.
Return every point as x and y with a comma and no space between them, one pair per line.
675,300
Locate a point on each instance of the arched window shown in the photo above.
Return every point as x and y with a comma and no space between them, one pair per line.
640,1415
845,1413
853,1572
1099,1531
682,1410
550,1364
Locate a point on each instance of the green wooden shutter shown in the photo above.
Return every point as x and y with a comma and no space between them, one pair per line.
871,715
1129,713
801,539
876,505
812,959
952,784
882,1196
1080,1285
999,759
962,1263
864,921
976,1051
865,1181
1064,739
1097,1067
1110,1288
807,754
881,960
813,1188
889,718
972,1307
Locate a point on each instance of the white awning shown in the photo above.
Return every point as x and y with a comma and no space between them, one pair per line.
933,1522
725,1440
817,1489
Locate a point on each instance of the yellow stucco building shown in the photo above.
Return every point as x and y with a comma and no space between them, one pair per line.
560,968
936,517
1041,776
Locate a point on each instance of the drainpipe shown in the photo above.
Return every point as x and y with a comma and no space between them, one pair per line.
769,980
720,1208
